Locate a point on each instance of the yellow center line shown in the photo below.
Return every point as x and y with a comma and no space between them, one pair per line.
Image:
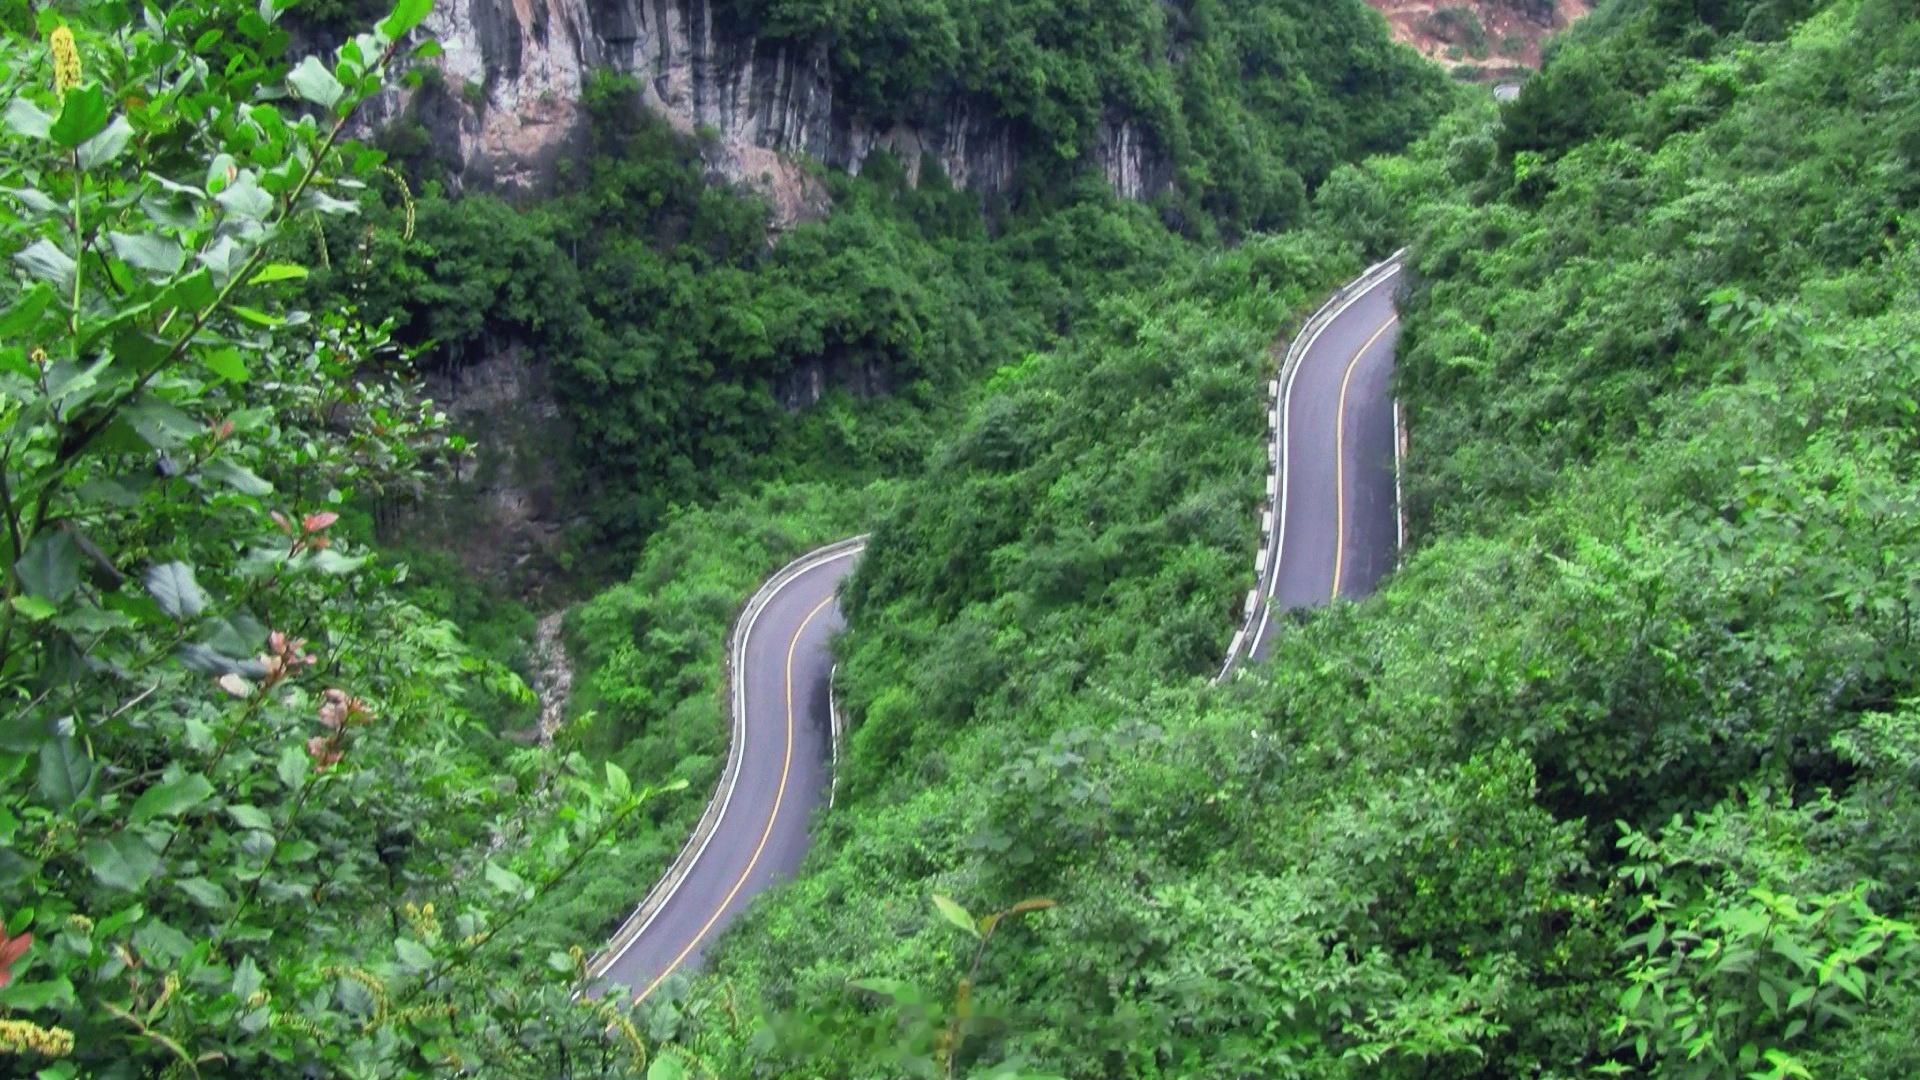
779,794
1340,459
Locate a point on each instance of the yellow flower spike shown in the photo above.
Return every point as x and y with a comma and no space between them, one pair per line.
25,1036
618,1023
66,59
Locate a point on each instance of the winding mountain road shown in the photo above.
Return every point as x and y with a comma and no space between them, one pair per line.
778,772
1337,534
1339,520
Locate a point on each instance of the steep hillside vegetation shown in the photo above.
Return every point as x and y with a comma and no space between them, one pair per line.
258,817
680,339
1615,775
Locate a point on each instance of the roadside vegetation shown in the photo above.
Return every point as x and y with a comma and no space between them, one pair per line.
1615,776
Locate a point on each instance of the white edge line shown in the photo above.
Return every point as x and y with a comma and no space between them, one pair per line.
1346,297
1399,504
682,867
833,721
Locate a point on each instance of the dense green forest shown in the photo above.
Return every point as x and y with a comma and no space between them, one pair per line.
260,814
1616,775
670,327
1589,760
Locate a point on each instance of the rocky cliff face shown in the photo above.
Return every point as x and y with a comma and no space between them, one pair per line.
503,512
1489,39
514,72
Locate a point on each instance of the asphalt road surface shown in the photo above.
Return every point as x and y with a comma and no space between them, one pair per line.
1338,531
784,776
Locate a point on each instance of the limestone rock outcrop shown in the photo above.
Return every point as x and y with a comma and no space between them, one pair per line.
513,73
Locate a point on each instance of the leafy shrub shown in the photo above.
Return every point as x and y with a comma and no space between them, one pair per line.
247,814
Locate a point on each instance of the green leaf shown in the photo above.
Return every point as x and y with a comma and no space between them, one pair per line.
244,198
246,978
311,81
239,635
256,316
893,989
292,766
236,476
331,562
83,114
412,954
47,262
617,783
159,424
157,255
205,893
222,257
278,272
175,590
955,914
226,363
25,118
66,772
103,148
198,657
221,171
160,943
171,798
26,997
33,199
25,732
33,609
319,202
666,1068
119,920
250,817
192,292
25,310
121,861
50,567
407,14
505,880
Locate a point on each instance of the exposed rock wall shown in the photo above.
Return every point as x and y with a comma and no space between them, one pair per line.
514,72
504,512
1489,39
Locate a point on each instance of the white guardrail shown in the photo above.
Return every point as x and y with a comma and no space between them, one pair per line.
696,844
1263,567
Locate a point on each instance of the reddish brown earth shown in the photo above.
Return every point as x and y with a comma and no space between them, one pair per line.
1487,38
